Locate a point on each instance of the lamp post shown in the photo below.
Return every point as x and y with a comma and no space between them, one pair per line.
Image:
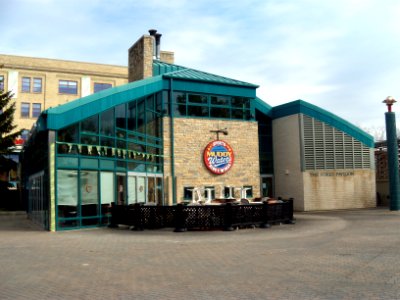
393,154
218,131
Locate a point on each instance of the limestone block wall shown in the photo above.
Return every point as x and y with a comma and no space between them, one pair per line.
316,189
287,160
191,137
339,189
140,59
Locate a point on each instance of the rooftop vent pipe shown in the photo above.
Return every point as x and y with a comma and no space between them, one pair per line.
157,38
152,34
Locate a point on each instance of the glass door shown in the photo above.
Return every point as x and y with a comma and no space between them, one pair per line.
132,190
151,191
107,192
267,186
159,190
141,189
121,189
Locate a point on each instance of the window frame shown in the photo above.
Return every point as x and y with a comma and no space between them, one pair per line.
28,105
2,82
26,83
66,88
101,85
37,88
35,113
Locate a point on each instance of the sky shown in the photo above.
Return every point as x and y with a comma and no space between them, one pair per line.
341,55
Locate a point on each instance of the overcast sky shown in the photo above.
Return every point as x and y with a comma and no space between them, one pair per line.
342,55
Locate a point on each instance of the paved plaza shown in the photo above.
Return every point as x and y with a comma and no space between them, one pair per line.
353,254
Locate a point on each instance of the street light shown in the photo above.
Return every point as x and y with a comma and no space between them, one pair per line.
218,131
389,101
392,153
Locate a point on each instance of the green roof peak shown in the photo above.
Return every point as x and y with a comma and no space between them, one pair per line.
179,72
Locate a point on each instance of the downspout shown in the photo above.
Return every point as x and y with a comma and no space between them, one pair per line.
171,128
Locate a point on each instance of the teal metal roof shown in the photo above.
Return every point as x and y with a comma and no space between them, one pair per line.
262,106
183,73
166,76
160,68
303,107
74,111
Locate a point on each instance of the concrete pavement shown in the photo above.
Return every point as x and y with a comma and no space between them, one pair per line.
352,254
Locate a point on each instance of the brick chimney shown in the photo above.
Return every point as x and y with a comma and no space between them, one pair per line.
142,54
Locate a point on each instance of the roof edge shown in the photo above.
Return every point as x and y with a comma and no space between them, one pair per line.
303,107
262,106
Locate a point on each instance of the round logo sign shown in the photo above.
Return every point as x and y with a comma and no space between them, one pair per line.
218,157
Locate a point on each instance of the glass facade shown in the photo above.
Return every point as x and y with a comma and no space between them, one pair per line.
265,143
211,106
114,156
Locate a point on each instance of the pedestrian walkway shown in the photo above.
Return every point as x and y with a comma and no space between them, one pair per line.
350,254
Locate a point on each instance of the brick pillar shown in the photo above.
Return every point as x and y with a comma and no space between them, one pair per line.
140,59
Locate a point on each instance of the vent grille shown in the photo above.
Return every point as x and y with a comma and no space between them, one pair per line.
325,148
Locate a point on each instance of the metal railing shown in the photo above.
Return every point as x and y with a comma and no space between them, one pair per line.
187,217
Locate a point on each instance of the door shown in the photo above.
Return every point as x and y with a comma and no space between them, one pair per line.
151,191
121,189
266,186
141,189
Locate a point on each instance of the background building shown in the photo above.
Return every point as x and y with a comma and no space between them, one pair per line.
41,83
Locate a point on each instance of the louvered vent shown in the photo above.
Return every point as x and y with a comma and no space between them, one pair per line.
326,148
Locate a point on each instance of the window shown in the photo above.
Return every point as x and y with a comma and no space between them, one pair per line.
68,87
209,193
36,110
26,84
247,191
25,110
188,192
211,106
101,86
37,85
1,83
197,99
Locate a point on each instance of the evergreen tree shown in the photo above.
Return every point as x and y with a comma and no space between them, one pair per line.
7,109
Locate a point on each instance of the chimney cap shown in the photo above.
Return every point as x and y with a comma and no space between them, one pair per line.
152,31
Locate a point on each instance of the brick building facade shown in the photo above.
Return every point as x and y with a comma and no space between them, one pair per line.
174,134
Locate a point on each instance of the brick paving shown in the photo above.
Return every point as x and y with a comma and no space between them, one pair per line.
326,255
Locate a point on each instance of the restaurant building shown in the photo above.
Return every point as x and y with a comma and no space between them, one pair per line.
176,134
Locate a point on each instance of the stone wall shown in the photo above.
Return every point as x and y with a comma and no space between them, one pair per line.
319,189
191,137
140,59
339,189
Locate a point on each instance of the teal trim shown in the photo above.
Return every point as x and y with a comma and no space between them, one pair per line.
263,107
82,108
213,88
171,91
302,107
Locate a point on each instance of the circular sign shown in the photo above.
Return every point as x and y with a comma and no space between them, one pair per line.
218,157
